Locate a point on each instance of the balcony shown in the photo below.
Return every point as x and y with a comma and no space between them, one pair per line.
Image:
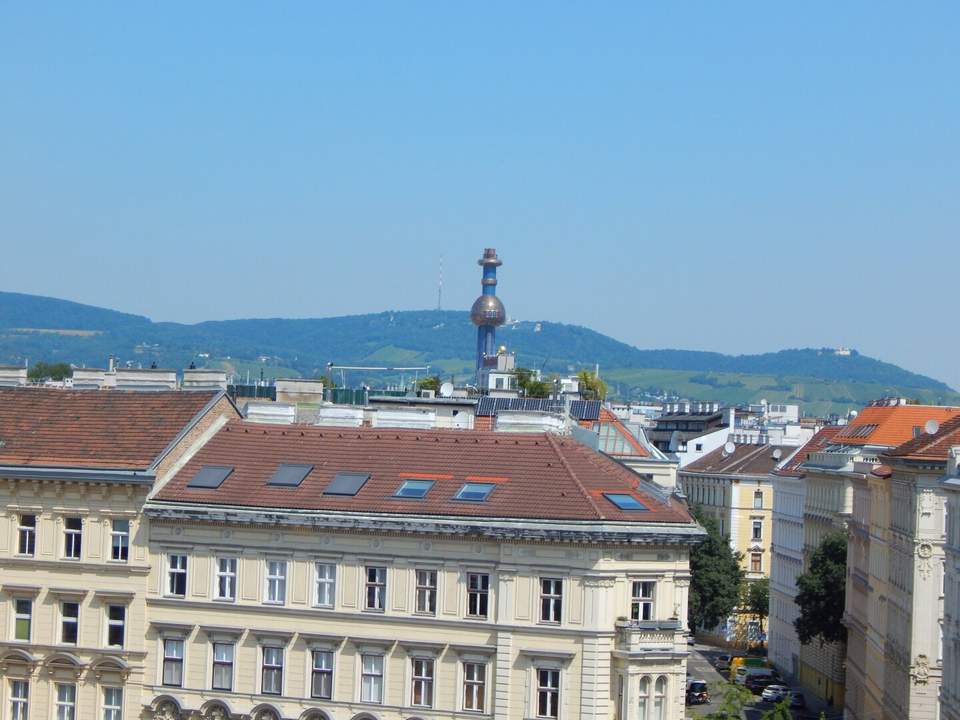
650,636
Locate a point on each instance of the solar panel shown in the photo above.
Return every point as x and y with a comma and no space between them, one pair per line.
210,476
289,475
474,492
347,483
625,502
414,489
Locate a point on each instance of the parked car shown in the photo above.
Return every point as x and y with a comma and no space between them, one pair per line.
797,700
697,692
742,674
723,662
756,683
774,693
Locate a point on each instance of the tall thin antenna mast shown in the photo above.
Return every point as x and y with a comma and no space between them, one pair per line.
440,287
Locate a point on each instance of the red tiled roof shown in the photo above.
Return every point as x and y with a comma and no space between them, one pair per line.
746,459
817,443
50,427
537,475
891,425
931,447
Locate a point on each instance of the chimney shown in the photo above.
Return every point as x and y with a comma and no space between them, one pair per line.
111,364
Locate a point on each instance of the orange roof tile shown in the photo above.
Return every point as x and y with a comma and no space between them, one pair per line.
51,427
890,426
817,443
536,475
931,447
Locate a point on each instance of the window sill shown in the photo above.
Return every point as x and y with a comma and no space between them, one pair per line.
374,611
225,600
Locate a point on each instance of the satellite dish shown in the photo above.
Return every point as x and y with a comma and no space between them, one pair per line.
777,454
932,427
446,390
729,448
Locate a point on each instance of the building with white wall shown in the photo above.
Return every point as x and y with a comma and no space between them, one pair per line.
950,688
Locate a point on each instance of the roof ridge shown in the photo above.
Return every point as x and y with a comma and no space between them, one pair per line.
573,475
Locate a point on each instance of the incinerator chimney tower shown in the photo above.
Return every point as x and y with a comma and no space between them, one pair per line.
488,312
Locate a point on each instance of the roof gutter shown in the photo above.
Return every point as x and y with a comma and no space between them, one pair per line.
78,474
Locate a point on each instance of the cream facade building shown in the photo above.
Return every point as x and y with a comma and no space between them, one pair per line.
368,574
734,487
950,687
896,581
787,550
75,470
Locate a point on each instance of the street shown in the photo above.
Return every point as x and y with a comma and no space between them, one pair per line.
700,667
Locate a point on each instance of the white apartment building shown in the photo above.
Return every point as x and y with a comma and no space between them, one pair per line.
370,574
950,689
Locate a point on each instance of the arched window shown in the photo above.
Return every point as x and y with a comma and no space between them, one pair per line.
660,698
644,696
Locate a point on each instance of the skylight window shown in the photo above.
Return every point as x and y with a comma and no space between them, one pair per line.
210,477
414,489
289,475
474,491
347,483
625,502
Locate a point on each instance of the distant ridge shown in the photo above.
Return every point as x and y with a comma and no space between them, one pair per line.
442,338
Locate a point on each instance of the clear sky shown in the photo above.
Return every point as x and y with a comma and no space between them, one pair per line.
725,176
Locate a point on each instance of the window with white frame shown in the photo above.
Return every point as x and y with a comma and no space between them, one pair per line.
19,699
757,530
66,701
758,500
660,698
176,575
376,589
222,676
72,537
548,693
321,675
426,592
641,602
119,540
275,591
116,625
27,535
644,697
112,703
69,622
371,678
22,619
551,600
478,595
326,585
173,662
226,578
272,675
474,686
422,682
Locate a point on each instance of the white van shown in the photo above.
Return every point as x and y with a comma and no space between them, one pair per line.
744,672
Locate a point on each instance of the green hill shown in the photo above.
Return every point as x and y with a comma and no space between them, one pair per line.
39,328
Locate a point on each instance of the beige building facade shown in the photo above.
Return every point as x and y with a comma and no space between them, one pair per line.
544,599
950,688
75,470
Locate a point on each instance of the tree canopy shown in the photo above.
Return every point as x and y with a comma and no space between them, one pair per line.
591,386
756,597
716,576
431,382
821,593
49,371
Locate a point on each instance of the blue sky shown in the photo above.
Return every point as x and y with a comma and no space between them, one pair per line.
723,176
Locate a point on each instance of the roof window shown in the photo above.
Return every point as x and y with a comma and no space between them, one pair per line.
474,491
289,475
625,502
210,477
347,483
414,489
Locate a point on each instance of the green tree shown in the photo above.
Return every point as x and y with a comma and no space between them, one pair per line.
728,701
591,386
780,711
530,386
756,598
431,382
821,593
41,371
715,576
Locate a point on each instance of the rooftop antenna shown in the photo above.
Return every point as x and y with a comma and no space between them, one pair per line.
729,448
440,287
932,427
